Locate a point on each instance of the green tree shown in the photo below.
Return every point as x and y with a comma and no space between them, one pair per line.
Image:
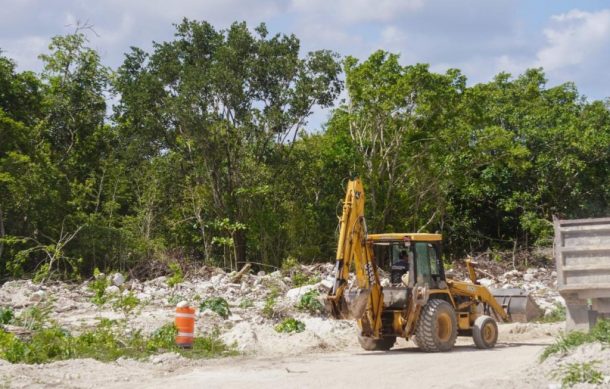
230,104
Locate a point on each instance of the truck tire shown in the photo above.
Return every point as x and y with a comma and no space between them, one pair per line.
485,332
372,344
437,327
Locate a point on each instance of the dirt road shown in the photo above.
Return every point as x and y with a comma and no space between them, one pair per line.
512,364
506,366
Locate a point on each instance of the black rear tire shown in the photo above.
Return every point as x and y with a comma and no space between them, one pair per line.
437,327
371,344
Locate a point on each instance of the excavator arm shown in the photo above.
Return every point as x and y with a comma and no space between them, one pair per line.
476,292
364,301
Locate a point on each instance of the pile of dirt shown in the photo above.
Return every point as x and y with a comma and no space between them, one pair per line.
257,302
587,358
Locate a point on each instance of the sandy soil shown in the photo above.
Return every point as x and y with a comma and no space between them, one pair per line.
512,364
327,352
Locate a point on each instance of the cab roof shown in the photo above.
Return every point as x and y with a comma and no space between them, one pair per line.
400,236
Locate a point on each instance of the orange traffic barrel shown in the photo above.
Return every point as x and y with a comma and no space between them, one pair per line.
185,323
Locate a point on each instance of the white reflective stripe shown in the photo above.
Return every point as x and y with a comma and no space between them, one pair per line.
187,315
186,334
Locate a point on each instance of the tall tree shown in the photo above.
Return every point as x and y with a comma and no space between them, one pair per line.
229,102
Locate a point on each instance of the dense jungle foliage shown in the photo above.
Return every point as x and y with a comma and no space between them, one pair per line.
201,150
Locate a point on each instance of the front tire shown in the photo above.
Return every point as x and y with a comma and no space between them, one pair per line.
437,327
371,344
485,332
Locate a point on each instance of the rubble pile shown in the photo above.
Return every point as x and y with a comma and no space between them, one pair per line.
256,303
539,282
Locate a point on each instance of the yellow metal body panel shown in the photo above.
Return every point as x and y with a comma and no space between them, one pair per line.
355,250
352,249
464,320
477,294
394,236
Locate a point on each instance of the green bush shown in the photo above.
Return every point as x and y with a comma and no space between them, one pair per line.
163,338
289,265
577,373
309,302
35,317
290,325
270,302
558,314
126,303
106,342
299,279
177,276
98,287
208,347
6,315
565,342
176,298
11,348
246,303
216,304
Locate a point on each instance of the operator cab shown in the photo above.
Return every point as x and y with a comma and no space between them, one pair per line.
410,258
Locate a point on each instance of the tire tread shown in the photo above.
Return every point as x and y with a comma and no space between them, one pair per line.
425,333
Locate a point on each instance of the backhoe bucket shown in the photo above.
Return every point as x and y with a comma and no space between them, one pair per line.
518,304
352,305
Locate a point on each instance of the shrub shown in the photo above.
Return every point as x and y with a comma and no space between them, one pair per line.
292,268
216,304
309,302
126,303
11,348
209,346
299,279
164,338
35,317
290,325
246,303
98,287
556,315
576,373
177,275
106,342
564,343
270,301
175,299
289,265
6,315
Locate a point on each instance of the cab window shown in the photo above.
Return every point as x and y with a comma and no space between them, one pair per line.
428,264
434,262
422,256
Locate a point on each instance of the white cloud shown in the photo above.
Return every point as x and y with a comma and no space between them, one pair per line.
24,51
576,38
393,35
480,37
216,11
353,11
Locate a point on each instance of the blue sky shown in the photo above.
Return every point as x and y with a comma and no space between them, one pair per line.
569,39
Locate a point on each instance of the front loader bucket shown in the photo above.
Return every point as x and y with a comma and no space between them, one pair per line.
518,304
351,305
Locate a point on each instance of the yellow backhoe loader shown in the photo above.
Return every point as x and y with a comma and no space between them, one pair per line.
420,303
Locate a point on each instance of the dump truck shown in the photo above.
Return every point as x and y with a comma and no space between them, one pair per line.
582,257
421,302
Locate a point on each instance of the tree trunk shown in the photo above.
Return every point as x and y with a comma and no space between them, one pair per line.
2,232
240,248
